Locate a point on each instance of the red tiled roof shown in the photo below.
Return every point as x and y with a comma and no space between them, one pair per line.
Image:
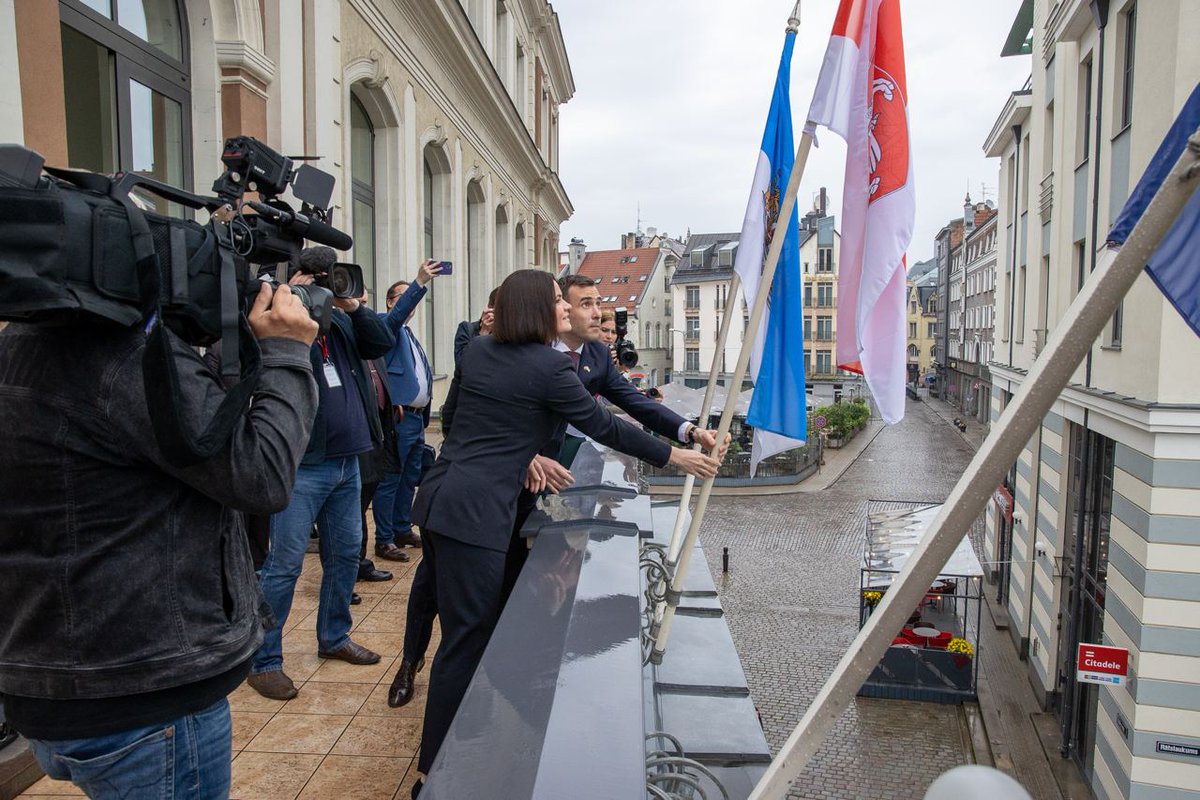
623,274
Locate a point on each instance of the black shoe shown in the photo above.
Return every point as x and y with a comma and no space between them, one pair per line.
410,539
390,552
351,653
355,599
367,572
401,690
417,787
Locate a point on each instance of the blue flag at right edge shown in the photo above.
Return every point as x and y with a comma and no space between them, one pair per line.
1175,265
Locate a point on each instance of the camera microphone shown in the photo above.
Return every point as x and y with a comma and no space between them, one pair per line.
305,227
317,260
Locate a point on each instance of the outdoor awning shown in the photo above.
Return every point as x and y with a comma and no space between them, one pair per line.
892,536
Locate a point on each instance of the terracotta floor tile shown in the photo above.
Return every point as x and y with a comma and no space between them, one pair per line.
379,588
299,733
387,645
358,777
380,736
341,672
383,621
300,665
246,725
304,602
328,698
376,705
246,699
410,777
304,620
299,640
48,787
271,776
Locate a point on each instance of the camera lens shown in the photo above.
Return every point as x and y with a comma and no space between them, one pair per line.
340,282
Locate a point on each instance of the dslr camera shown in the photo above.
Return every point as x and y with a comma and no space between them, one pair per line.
627,354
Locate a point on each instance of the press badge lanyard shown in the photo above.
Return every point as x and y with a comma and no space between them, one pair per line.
331,376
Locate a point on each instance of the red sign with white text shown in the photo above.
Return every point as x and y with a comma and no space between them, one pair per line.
1100,663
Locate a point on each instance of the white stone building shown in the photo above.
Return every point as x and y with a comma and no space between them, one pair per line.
1104,543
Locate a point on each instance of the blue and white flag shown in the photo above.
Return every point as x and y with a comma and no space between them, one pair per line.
1174,267
777,408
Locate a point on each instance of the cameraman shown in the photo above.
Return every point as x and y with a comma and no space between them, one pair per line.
131,604
328,487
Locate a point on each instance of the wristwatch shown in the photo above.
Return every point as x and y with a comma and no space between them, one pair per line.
691,433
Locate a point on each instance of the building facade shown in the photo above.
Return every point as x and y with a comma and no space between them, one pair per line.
637,279
437,118
701,296
922,321
1103,543
969,315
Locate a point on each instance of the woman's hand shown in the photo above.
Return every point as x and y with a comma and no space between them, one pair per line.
693,462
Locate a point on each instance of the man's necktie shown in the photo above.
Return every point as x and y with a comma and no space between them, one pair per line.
574,356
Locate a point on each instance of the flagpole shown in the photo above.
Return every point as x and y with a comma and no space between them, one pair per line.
709,391
1069,342
739,372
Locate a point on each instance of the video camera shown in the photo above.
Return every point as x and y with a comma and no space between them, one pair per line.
627,354
76,246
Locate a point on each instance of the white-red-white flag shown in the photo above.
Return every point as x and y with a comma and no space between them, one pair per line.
862,96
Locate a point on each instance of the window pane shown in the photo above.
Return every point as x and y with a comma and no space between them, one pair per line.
89,85
155,21
99,6
362,145
156,128
364,241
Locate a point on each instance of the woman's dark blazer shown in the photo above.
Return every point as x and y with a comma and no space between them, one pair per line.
505,403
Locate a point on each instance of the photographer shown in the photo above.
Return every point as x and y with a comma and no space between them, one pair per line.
327,487
131,605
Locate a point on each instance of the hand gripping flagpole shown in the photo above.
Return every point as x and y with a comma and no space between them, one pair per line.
739,372
1069,342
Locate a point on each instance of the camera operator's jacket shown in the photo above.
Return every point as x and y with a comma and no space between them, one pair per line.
363,335
122,574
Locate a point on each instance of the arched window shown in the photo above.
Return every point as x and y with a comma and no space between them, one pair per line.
437,241
658,337
503,237
648,342
125,81
520,258
362,189
476,274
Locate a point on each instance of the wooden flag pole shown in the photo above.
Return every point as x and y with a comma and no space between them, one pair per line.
1070,341
739,372
710,390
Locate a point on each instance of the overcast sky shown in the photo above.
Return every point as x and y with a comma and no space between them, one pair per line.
671,97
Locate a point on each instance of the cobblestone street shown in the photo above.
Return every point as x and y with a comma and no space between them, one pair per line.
791,601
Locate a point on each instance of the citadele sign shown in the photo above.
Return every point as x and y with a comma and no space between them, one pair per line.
1099,663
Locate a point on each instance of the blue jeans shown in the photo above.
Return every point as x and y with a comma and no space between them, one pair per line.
186,758
392,506
327,493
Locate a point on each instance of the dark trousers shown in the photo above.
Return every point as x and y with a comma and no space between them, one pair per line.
368,492
469,595
422,596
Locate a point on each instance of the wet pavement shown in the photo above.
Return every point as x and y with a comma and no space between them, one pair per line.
791,601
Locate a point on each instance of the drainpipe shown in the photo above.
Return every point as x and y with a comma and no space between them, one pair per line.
1012,266
1069,707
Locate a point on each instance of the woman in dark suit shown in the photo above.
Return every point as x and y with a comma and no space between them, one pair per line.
511,392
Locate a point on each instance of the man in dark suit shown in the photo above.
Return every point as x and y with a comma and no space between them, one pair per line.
410,380
548,470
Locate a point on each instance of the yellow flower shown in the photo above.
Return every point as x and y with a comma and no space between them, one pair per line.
958,645
872,597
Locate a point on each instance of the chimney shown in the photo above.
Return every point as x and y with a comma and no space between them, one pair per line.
628,241
575,253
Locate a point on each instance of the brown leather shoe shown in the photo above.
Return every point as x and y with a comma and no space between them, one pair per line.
351,653
401,690
275,684
411,539
391,552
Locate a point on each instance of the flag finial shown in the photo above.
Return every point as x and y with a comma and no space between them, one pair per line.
794,20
